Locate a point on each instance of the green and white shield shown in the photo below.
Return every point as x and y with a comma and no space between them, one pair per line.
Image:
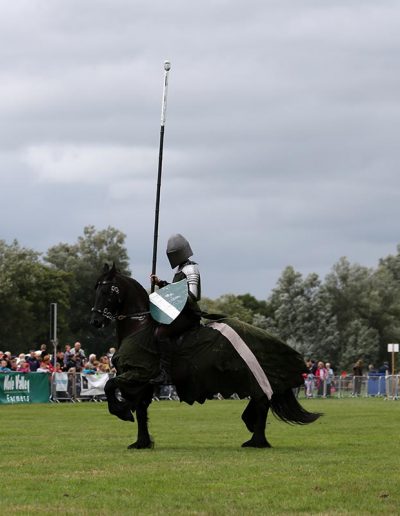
168,302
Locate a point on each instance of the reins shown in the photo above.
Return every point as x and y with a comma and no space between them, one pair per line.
138,316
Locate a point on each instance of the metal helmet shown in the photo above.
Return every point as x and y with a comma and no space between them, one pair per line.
178,250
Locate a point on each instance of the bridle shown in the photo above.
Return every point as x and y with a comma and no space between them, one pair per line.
136,316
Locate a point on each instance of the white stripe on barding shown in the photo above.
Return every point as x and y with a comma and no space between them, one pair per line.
248,356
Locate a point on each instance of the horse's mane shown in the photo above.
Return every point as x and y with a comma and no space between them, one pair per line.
111,273
134,283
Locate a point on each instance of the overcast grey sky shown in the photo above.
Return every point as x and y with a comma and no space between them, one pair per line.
281,141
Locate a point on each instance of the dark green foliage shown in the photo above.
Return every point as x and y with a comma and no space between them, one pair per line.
353,313
230,305
66,277
255,305
27,287
83,262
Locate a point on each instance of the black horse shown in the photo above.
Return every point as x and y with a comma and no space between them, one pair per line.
225,356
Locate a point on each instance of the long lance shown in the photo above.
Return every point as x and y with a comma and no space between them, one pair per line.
167,68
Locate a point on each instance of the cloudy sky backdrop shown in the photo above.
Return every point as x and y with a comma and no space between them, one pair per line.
281,142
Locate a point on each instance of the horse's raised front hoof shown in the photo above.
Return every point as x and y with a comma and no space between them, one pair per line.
127,416
141,445
256,444
124,414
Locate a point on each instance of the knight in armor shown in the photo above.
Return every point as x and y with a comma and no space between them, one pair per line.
178,253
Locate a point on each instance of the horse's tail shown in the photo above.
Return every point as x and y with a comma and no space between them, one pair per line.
116,406
286,407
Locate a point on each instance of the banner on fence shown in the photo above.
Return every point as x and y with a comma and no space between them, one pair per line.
24,388
61,382
93,384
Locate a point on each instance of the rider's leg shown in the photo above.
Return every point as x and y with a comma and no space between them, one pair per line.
164,348
165,336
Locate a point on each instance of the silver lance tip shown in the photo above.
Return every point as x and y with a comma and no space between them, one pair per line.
167,66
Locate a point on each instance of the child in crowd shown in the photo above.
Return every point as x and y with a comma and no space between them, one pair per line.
4,367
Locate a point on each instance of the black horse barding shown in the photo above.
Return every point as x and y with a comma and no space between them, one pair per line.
205,363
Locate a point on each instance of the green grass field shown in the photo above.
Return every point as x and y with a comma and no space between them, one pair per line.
72,459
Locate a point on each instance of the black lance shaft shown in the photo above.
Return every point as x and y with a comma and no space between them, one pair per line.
167,68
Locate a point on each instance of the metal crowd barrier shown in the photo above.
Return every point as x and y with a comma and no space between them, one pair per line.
351,386
77,387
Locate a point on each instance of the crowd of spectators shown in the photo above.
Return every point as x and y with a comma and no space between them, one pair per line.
72,359
320,378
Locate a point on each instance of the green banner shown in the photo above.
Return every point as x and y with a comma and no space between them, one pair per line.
24,387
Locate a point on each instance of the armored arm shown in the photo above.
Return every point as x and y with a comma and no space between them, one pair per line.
192,273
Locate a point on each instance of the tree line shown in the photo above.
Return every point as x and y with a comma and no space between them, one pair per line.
354,312
66,274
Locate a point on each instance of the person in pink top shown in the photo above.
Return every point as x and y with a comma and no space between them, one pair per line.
23,366
321,374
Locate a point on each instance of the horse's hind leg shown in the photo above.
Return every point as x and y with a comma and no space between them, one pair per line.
255,418
143,437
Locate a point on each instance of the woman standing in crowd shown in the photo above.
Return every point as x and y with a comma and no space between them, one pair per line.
321,375
329,378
